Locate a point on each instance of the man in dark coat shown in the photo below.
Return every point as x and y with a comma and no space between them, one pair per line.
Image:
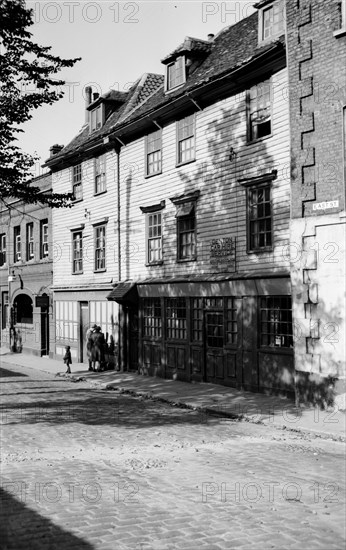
97,349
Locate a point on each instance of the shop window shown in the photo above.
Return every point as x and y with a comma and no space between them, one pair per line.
276,321
3,247
29,241
77,252
186,140
231,320
259,110
153,153
66,322
259,218
197,319
176,318
152,317
23,309
215,329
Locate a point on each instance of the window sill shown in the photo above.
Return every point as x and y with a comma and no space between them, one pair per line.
167,91
184,163
151,175
77,273
100,270
184,260
275,349
258,140
340,32
77,200
259,250
100,193
154,264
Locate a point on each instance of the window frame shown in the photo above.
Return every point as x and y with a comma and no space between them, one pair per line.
180,220
341,31
180,140
3,249
100,164
174,304
76,172
149,174
252,130
98,123
17,244
262,11
97,229
5,304
274,325
76,260
149,238
152,324
264,185
44,239
179,59
30,253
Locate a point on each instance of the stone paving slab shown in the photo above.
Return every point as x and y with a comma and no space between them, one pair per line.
208,398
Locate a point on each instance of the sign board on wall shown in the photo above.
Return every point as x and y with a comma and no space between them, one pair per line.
42,301
222,254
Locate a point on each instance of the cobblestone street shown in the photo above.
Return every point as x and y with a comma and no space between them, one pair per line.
86,468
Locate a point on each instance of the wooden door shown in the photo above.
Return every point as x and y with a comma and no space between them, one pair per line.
249,343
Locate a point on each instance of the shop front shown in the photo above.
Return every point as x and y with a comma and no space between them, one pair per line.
236,333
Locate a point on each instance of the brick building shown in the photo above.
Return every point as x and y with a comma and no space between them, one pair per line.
316,45
26,261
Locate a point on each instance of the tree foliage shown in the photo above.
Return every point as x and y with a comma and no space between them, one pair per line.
26,82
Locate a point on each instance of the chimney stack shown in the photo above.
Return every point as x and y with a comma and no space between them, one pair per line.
211,37
55,149
96,96
88,92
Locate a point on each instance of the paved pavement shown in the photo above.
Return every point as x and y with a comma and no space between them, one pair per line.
208,398
85,468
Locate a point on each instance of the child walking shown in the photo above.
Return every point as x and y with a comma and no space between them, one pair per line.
67,359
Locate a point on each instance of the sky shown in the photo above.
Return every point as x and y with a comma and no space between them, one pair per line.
118,42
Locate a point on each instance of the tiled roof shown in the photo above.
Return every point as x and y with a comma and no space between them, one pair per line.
139,92
189,45
230,49
233,47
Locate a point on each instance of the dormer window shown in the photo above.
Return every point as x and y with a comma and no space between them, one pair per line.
175,73
271,21
96,118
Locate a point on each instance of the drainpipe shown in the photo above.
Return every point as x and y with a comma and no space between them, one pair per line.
121,319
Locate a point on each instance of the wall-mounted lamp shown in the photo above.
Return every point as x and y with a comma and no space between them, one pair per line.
87,213
12,277
232,154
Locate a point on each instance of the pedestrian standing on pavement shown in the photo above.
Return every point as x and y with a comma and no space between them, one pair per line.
68,359
97,350
89,344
